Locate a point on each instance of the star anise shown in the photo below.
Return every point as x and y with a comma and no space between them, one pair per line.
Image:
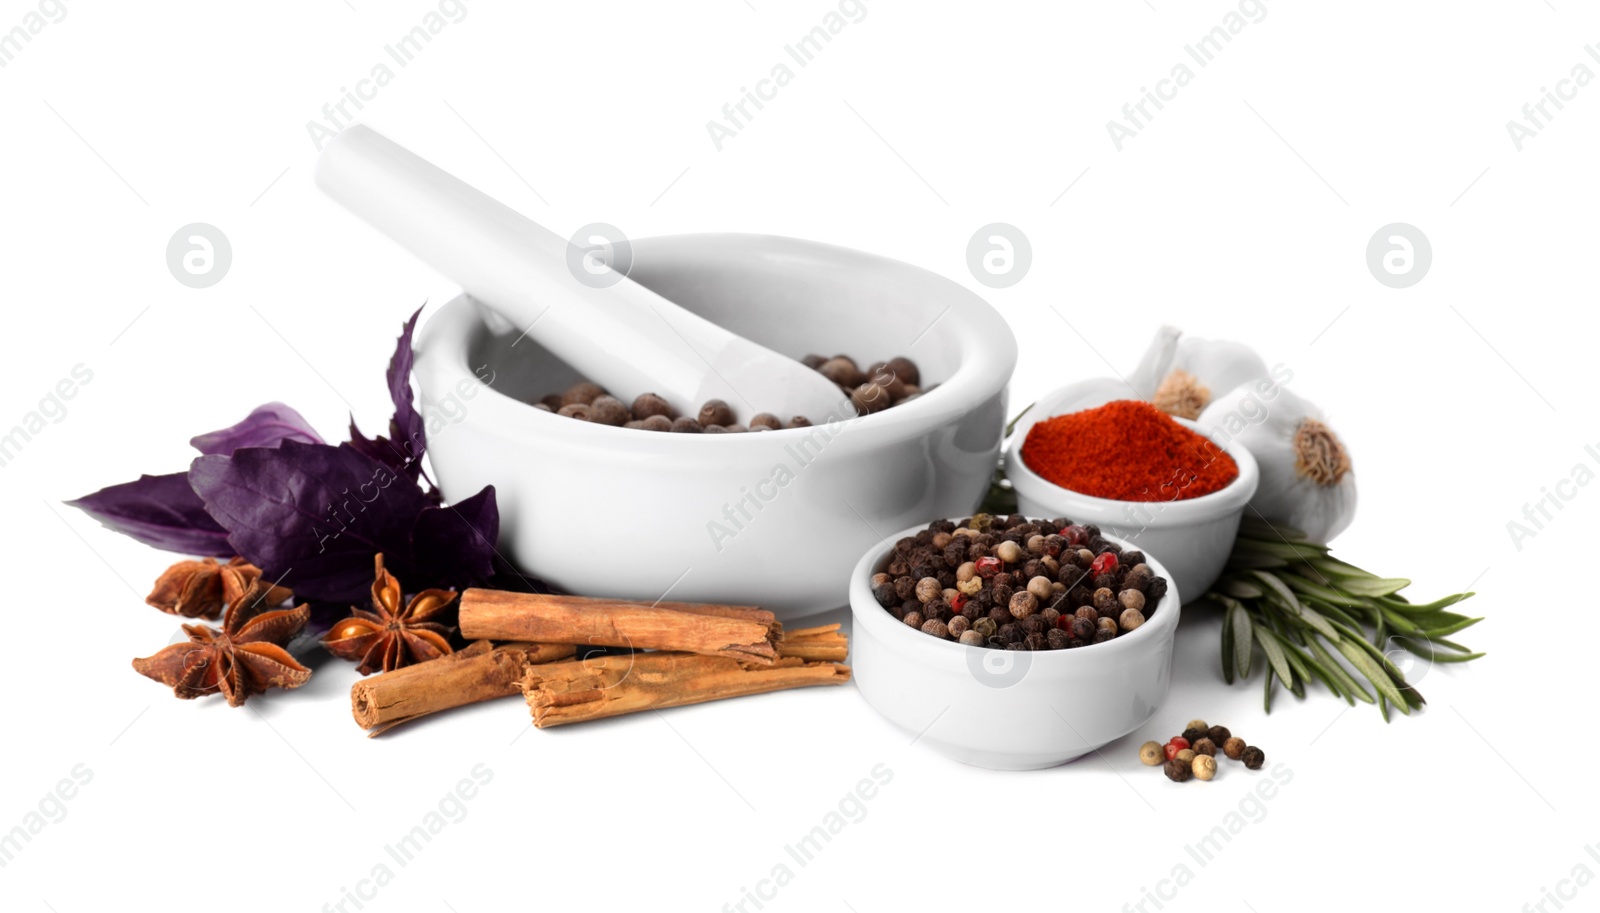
390,636
201,589
245,657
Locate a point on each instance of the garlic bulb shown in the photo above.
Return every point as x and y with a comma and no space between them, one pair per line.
1182,374
1306,481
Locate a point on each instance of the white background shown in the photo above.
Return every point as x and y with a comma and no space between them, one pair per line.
1243,211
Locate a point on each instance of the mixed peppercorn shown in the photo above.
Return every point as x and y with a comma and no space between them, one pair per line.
1194,754
883,384
1011,583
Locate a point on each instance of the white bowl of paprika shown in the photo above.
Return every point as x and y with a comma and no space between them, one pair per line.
1138,474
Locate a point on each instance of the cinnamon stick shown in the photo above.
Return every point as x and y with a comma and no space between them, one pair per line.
825,643
479,672
593,689
736,632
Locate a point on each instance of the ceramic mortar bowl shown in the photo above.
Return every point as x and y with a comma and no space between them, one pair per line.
1192,537
773,518
1007,709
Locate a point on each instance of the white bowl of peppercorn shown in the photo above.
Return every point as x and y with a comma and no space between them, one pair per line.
1156,465
997,697
776,518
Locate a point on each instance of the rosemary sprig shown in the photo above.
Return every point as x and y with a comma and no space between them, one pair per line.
1305,610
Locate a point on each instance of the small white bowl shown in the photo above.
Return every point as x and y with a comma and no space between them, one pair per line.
1008,709
773,518
1192,537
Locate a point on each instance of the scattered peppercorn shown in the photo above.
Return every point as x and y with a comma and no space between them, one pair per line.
1205,746
1151,755
1219,734
1234,748
1195,731
1253,757
1177,771
1203,766
1186,755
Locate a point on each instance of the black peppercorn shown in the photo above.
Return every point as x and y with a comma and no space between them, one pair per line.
608,410
1037,641
1001,615
1253,758
955,553
1219,734
1050,615
1156,589
1177,771
971,611
1204,746
716,412
1082,629
683,424
1106,581
648,404
1008,632
1102,633
884,593
1193,735
582,393
842,370
905,586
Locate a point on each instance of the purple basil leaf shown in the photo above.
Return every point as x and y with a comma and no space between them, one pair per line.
160,511
454,546
403,448
312,514
406,425
265,426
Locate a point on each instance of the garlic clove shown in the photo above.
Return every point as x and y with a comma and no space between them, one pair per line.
1306,477
1182,374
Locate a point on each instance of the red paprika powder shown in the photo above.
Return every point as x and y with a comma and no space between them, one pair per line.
1127,451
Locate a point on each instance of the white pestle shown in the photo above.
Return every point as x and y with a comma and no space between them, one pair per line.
623,336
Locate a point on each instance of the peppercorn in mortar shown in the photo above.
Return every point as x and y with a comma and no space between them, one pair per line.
1011,583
